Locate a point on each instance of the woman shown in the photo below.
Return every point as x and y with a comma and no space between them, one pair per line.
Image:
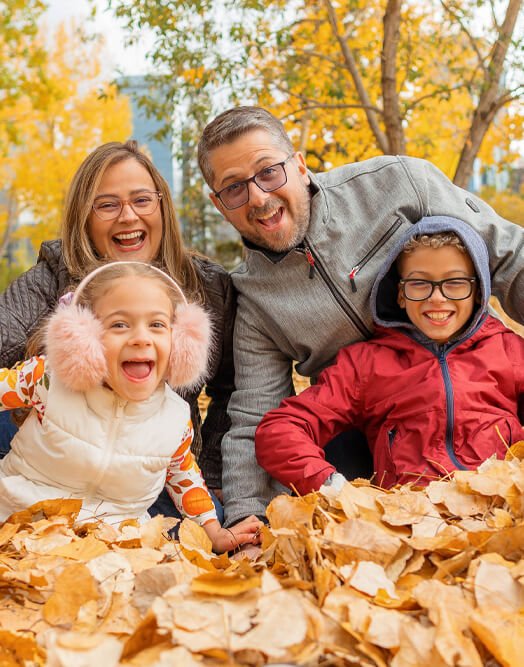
119,206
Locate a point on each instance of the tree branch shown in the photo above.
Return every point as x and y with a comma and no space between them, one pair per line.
471,39
490,100
349,60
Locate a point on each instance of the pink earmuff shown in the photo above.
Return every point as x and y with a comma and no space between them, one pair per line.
76,353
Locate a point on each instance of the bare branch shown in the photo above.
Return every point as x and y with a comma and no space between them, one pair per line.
349,60
314,104
491,97
473,42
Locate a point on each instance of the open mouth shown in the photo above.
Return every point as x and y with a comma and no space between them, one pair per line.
129,239
273,219
138,370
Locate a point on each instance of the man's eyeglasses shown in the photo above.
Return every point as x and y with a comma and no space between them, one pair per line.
456,289
267,179
110,208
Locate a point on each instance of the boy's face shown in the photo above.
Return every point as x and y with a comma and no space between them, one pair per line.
438,317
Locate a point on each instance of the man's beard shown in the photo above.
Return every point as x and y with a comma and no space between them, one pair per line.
289,238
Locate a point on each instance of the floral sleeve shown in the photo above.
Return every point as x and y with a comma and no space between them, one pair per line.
185,484
25,385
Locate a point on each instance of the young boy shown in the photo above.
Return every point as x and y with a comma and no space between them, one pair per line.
439,387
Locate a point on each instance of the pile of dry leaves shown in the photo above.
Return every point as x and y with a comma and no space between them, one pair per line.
408,577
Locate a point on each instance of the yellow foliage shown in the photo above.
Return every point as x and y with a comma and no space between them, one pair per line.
435,65
69,113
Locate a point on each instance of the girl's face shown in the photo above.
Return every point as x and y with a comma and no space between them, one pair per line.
137,315
132,235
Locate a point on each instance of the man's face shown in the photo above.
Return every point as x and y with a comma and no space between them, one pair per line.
275,220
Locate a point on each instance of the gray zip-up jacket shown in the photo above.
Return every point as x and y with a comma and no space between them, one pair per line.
306,304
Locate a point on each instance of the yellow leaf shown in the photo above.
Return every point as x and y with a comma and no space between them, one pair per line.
83,549
229,585
19,649
502,634
48,508
74,587
516,451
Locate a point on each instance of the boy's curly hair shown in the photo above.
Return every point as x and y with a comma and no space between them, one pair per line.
434,241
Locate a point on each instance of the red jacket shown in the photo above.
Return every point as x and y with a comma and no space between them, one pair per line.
424,412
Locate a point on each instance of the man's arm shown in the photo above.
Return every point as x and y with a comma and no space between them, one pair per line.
263,377
504,239
220,386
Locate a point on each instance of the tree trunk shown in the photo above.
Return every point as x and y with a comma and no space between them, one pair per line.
392,116
491,98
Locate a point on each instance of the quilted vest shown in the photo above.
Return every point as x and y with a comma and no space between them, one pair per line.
111,453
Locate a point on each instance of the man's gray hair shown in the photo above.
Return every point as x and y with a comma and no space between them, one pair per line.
233,123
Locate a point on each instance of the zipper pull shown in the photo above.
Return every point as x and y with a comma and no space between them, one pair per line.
352,275
310,261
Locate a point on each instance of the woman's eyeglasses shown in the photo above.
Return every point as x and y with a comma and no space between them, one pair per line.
110,208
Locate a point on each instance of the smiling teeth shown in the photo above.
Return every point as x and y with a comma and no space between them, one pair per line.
438,316
128,235
270,215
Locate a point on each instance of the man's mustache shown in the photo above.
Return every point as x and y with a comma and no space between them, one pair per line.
262,211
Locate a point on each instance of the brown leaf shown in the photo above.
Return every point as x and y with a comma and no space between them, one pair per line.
73,587
19,649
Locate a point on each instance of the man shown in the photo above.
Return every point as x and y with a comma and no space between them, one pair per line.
314,244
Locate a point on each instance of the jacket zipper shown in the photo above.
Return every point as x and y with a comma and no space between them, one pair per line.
108,452
314,263
392,433
310,261
387,235
450,410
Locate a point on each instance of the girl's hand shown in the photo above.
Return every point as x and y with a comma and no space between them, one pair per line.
246,531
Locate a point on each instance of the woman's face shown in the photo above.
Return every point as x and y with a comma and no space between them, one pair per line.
130,234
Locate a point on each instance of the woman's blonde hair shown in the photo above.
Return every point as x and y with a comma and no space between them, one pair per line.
77,248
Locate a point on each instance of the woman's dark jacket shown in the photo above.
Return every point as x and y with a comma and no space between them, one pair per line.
35,293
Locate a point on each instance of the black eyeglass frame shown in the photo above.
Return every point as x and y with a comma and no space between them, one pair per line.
253,179
123,202
437,283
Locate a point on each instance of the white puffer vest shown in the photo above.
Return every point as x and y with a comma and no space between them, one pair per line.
111,453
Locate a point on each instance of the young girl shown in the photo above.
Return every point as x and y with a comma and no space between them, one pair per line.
106,425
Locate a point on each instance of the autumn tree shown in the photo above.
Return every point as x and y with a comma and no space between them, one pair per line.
20,59
351,79
74,112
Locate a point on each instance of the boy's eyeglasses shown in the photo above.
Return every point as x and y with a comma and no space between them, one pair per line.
267,179
456,289
110,208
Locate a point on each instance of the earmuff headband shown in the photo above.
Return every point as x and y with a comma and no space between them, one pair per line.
100,269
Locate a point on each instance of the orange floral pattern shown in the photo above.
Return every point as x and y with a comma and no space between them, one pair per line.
185,484
26,386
